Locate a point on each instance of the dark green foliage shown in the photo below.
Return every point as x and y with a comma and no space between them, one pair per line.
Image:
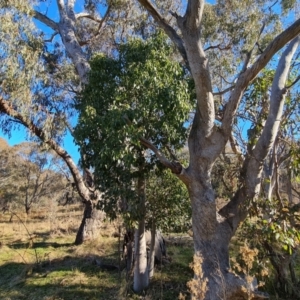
140,93
168,202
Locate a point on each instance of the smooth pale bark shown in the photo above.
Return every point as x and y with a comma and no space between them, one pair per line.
67,30
213,231
269,180
66,27
141,274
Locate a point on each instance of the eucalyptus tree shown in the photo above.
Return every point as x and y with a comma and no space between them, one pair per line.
43,68
204,32
278,236
31,93
141,94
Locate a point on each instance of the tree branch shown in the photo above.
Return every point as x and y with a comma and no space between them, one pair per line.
174,166
101,24
193,17
235,149
51,38
278,91
226,47
87,16
293,83
245,78
44,19
252,168
6,108
169,30
224,91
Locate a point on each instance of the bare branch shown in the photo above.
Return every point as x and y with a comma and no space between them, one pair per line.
277,176
252,167
249,53
293,83
51,38
61,6
193,17
87,16
278,91
175,167
47,21
224,91
235,149
226,47
172,154
100,26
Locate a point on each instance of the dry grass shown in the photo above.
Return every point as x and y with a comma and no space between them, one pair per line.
39,261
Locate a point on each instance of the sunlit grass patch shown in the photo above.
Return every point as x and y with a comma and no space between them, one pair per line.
37,262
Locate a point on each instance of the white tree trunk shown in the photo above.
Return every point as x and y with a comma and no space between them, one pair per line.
141,274
67,31
66,27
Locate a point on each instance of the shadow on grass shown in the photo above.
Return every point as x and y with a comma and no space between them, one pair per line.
58,292
81,274
24,245
66,278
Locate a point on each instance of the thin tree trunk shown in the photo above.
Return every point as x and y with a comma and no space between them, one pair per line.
289,190
128,251
152,249
141,275
27,210
90,224
281,264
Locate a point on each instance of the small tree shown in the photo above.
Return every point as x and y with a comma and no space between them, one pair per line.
30,176
128,100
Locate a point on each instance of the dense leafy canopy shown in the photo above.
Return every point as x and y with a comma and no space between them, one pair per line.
141,93
168,203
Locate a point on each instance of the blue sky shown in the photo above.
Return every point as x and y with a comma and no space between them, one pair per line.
20,135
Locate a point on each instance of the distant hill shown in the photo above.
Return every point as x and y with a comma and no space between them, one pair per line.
3,144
